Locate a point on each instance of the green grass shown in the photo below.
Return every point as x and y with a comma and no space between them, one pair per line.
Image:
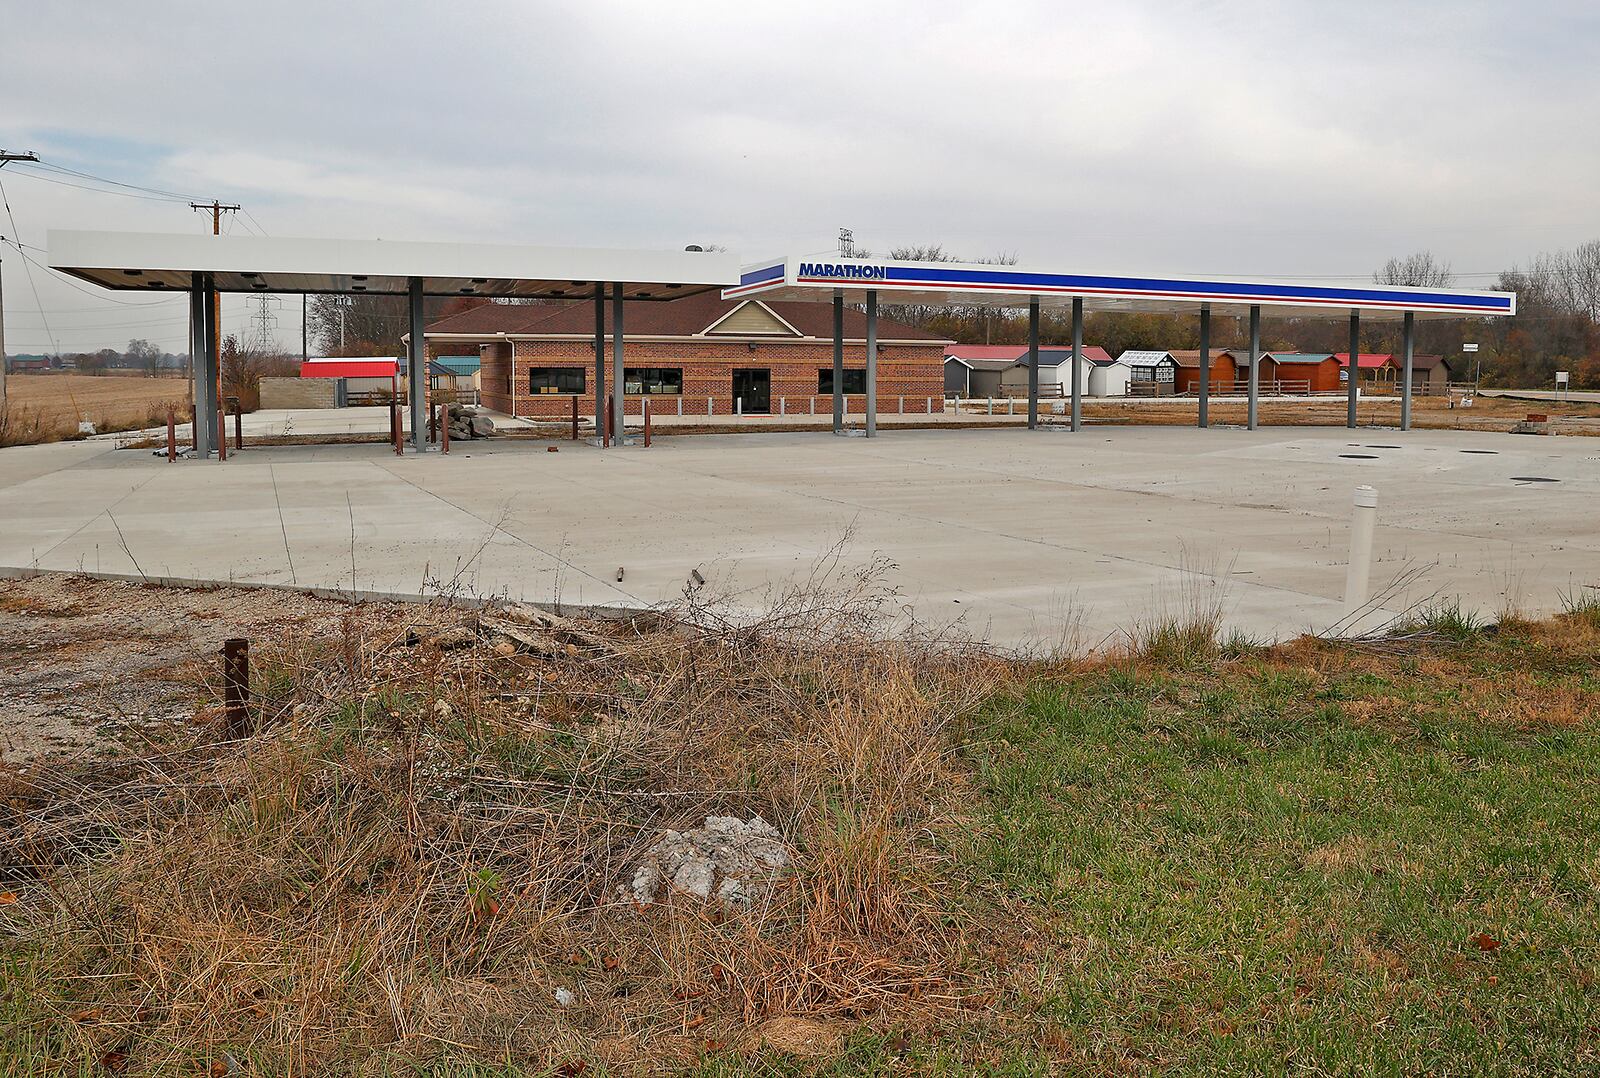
1233,875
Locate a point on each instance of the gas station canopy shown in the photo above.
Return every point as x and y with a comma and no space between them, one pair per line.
947,283
153,262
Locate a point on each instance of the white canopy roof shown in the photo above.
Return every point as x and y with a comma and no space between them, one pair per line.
965,283
155,261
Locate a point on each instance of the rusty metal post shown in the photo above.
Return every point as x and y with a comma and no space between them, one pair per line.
444,428
194,427
172,436
236,687
238,426
574,417
222,430
644,405
609,432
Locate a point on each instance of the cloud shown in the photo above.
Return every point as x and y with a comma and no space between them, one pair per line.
1296,138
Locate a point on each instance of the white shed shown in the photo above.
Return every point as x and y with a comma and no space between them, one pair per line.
1109,378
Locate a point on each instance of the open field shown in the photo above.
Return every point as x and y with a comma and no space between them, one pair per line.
53,404
1193,855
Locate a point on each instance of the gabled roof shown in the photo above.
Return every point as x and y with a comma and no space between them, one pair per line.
1367,360
989,364
1146,359
1190,357
1422,362
691,316
983,351
459,365
1312,358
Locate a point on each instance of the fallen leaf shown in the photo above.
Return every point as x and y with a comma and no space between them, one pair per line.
715,1046
610,961
115,1061
572,1068
8,898
1486,942
696,1022
218,1068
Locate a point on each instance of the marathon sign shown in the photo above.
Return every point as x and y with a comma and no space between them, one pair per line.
840,271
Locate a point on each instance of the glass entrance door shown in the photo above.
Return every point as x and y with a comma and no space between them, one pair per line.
752,389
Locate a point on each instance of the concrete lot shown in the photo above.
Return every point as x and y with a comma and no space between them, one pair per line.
1018,537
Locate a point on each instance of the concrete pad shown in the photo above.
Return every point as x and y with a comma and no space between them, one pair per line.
1022,538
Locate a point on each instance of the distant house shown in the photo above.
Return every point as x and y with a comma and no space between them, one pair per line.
1054,364
1224,370
458,374
1151,373
1317,371
27,364
1431,374
973,370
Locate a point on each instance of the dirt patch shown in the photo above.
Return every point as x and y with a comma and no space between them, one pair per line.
90,666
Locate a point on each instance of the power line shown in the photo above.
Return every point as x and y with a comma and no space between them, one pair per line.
158,192
27,270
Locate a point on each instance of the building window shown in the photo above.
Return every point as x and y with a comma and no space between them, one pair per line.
556,380
641,381
855,380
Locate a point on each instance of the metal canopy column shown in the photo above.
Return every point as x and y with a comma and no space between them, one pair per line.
416,384
600,364
1205,365
198,364
1352,388
211,350
1255,367
1033,363
1077,361
1405,390
838,360
872,363
617,399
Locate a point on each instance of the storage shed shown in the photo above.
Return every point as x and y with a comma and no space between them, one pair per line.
1151,373
1224,371
1300,372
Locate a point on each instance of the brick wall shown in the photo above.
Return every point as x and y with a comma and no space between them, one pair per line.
915,372
298,392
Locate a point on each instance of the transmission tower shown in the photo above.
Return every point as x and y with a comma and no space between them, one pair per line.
264,325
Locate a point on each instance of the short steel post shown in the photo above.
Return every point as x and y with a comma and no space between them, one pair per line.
444,427
1205,365
222,429
236,688
172,436
644,405
1363,522
574,417
238,426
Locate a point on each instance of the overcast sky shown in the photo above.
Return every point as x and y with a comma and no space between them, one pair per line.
1312,139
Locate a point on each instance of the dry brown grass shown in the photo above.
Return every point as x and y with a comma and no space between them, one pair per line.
422,844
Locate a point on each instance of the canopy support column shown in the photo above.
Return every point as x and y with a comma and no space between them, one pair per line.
600,365
617,399
213,352
872,363
199,367
1352,389
417,365
1205,365
1076,373
1410,328
838,360
1255,368
1033,363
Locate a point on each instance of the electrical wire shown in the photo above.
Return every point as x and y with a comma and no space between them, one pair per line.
54,344
176,196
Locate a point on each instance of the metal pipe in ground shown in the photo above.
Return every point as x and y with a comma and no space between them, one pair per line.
644,405
1358,576
172,436
238,426
444,427
222,431
236,688
574,418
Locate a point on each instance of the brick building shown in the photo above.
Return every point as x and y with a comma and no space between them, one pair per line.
699,354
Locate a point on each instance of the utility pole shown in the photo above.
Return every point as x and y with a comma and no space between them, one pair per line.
216,209
6,157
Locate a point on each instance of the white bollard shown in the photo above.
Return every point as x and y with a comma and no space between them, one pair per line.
783,406
738,406
927,406
813,406
902,405
680,404
708,406
991,406
1357,578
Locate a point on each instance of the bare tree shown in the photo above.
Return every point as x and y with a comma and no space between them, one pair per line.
1420,270
145,356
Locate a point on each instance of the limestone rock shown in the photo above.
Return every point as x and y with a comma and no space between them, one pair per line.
730,862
